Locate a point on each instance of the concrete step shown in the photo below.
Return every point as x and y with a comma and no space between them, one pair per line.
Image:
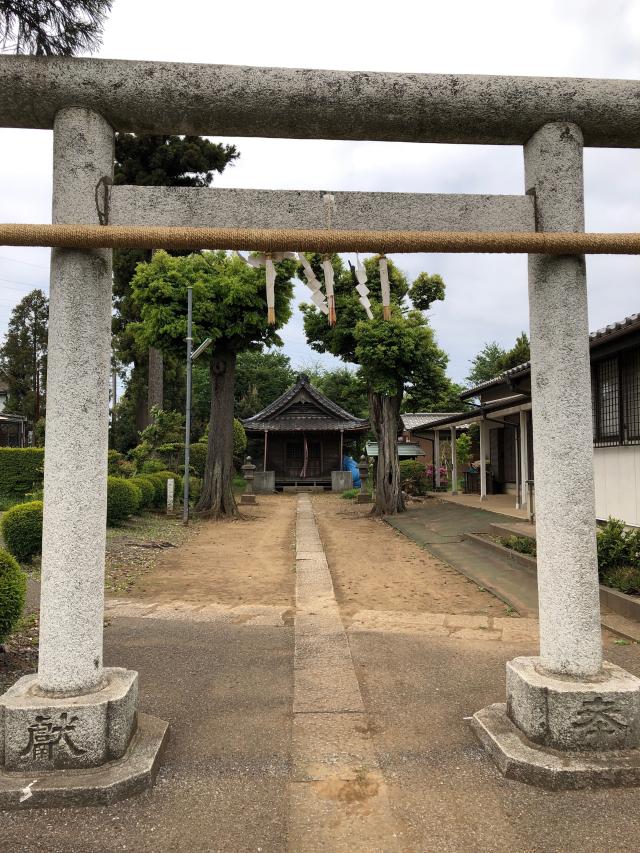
515,528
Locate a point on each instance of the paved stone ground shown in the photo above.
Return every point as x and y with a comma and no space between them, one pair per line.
312,738
227,691
440,526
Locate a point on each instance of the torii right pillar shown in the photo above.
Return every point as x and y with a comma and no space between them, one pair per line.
570,720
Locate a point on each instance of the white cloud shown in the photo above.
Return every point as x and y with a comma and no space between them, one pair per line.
486,296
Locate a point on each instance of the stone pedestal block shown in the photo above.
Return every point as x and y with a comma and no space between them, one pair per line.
264,482
247,499
364,498
341,481
44,733
566,713
562,732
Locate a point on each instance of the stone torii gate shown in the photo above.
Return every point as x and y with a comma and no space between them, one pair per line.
570,719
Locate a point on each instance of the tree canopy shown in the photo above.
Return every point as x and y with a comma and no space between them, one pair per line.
52,27
392,354
154,160
229,302
23,356
230,307
261,377
492,360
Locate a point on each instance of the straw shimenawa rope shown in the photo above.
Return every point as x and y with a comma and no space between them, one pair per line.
324,241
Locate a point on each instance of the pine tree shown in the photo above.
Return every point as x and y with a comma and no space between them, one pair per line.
52,27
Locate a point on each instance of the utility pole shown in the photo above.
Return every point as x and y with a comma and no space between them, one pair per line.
191,357
187,430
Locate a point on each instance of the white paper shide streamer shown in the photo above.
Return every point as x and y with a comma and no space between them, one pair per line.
267,261
317,296
327,269
361,287
385,288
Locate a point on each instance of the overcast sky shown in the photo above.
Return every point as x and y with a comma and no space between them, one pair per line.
486,295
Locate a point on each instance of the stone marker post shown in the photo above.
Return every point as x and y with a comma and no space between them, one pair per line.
75,713
363,467
171,486
248,471
566,700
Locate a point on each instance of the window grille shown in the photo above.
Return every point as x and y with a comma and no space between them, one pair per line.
615,386
630,375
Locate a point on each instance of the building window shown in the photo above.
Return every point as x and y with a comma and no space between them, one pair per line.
631,397
615,386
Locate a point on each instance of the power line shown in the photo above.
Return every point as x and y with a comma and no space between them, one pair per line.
26,263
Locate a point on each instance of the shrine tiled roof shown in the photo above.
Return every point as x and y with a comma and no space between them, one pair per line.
303,408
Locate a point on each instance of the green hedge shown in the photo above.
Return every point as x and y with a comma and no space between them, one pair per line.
13,591
160,480
147,490
123,499
22,530
21,470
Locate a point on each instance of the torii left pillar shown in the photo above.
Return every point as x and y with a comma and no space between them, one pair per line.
76,714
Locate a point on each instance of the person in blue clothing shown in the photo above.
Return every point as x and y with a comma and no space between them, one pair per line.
350,464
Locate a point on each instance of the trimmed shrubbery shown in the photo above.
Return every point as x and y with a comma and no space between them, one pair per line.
147,490
21,471
413,477
162,477
521,544
22,530
13,590
123,499
619,556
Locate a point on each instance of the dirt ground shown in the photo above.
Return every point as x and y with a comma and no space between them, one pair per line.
376,568
248,561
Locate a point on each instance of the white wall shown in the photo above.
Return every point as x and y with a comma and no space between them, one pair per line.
617,481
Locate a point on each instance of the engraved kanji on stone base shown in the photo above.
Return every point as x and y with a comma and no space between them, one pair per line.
46,736
599,716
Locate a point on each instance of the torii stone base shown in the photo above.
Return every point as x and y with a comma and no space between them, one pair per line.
560,732
76,750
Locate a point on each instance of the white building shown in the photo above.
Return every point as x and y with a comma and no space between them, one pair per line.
503,414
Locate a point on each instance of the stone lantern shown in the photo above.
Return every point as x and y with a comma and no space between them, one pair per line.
363,467
248,472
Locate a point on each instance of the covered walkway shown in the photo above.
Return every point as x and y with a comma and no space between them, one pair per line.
501,504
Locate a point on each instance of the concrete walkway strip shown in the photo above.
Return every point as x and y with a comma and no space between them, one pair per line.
338,797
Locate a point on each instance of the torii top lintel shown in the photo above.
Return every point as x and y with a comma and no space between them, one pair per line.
230,100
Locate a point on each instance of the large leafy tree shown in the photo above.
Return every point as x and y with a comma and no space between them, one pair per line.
229,306
23,356
493,359
52,27
169,161
347,388
518,354
392,354
261,377
486,364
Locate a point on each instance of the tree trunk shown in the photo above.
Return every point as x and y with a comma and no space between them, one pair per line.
138,388
216,498
385,414
155,383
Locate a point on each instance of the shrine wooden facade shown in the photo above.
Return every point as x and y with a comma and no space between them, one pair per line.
303,435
